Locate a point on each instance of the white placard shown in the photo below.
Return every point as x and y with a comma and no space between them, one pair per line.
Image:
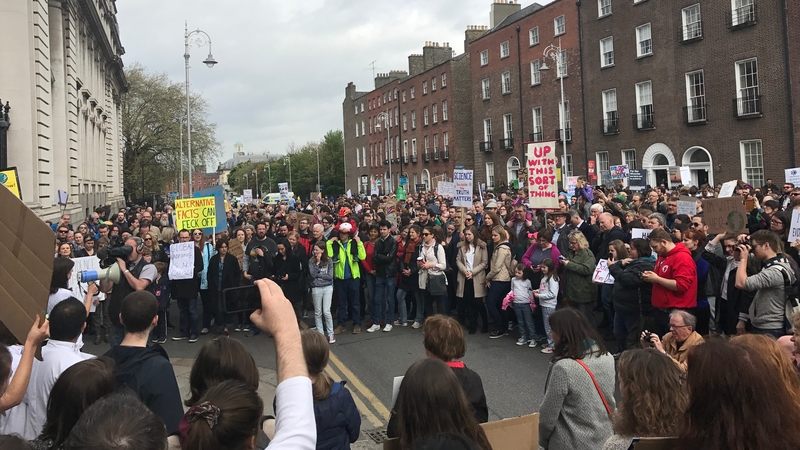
640,233
446,189
181,261
375,192
396,388
247,196
349,193
572,184
601,274
686,176
727,189
463,181
79,289
284,190
687,205
793,176
794,231
62,197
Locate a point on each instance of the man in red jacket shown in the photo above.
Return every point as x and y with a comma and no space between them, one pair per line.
674,279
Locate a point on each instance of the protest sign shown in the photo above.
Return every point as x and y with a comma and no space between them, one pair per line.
463,184
637,179
79,289
619,172
374,192
687,205
247,196
10,179
724,214
283,188
601,273
572,184
686,176
590,167
605,177
446,189
674,176
350,193
794,231
193,213
640,233
727,189
181,261
793,176
62,197
421,187
541,173
219,200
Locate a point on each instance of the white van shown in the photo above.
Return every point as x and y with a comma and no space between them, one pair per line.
272,199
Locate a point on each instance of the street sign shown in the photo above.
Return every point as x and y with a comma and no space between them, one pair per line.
459,167
403,181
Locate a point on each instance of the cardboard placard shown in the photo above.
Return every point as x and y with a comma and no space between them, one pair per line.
247,196
10,179
181,261
79,289
727,189
793,176
674,176
640,233
724,214
199,212
619,172
517,433
601,274
686,176
794,230
637,179
283,188
572,184
26,246
463,180
446,189
687,205
541,173
221,223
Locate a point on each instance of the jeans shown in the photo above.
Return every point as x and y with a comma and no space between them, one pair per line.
116,334
209,307
775,332
419,301
383,300
402,311
189,319
546,318
660,321
322,308
348,292
494,302
525,320
623,325
429,300
369,281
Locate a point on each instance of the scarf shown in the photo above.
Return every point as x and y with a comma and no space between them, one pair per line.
410,247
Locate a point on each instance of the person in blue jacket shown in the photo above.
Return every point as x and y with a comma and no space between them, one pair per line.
338,419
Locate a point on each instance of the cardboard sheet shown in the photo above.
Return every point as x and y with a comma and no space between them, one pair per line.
517,433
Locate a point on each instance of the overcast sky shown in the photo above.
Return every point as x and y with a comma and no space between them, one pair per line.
283,66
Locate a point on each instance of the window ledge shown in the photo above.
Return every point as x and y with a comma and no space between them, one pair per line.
607,66
507,93
559,34
644,56
533,45
604,16
504,57
536,84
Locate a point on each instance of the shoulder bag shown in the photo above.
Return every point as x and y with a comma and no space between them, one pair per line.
597,386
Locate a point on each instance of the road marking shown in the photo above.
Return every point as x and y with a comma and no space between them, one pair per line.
360,387
376,422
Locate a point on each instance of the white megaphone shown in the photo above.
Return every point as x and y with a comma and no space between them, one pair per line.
111,273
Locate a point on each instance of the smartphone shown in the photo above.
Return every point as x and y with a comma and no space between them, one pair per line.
241,299
560,256
749,204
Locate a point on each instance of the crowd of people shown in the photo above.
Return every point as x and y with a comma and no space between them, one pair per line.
695,326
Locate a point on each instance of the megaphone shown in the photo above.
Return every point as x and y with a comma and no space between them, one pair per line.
111,273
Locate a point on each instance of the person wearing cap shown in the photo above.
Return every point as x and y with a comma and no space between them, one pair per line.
561,230
346,254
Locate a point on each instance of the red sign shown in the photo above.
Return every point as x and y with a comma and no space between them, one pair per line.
591,170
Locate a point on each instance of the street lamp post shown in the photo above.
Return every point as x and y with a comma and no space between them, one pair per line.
199,38
384,116
247,181
255,172
554,52
180,125
288,158
269,174
319,187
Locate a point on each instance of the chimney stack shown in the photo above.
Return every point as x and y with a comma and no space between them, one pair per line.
502,9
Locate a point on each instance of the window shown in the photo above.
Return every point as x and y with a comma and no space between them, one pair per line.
602,161
610,114
446,140
358,157
487,130
444,80
485,88
391,115
644,40
533,36
384,97
603,8
356,130
370,125
504,50
425,87
489,174
414,147
567,166
563,109
507,132
435,112
695,97
433,84
536,74
395,94
607,51
363,156
629,158
405,122
644,104
538,134
356,109
427,145
752,162
425,116
416,180
396,116
484,57
562,64
435,143
742,12
371,155
404,95
559,25
405,150
363,128
444,111
412,92
692,28
362,107
506,82
747,87
413,120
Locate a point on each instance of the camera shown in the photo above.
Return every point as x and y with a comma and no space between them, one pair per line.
646,336
108,255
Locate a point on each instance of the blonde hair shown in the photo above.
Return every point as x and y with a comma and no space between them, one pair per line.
577,236
775,356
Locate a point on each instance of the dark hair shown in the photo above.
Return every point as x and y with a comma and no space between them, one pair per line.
443,337
576,337
285,243
642,247
682,227
5,367
546,234
60,277
74,391
220,359
385,223
432,401
67,319
220,242
447,441
767,237
240,410
118,421
551,268
137,311
743,404
14,442
316,351
659,234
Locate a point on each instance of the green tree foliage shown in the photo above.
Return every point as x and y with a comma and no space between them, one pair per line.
153,113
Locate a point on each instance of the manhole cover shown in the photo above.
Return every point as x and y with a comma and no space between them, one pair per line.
377,435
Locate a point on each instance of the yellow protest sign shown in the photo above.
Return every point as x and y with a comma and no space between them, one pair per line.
9,179
200,212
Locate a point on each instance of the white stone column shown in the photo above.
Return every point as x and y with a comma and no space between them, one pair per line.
60,150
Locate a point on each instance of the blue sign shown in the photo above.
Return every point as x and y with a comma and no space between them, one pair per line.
219,204
459,167
403,181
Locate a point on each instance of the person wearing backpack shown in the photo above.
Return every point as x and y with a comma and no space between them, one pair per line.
498,280
767,312
432,262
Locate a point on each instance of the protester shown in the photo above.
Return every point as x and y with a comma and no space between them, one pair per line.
775,356
346,254
12,392
385,259
579,265
471,261
547,295
432,262
288,272
223,273
185,292
321,276
632,307
679,341
498,280
408,295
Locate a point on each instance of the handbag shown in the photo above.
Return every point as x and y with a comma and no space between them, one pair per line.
437,284
597,386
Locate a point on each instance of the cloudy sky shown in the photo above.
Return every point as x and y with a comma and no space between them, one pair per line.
283,66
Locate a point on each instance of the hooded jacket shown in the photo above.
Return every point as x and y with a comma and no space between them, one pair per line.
148,372
338,419
629,288
678,265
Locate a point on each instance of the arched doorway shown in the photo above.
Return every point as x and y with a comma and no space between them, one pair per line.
426,179
699,162
512,172
656,161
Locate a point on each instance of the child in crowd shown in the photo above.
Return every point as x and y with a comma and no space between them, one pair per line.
522,289
547,295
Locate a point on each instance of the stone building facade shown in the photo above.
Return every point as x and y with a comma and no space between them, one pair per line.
62,73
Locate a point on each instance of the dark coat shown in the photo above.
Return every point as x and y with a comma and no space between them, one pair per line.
191,287
230,273
385,257
601,241
629,287
338,419
588,230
